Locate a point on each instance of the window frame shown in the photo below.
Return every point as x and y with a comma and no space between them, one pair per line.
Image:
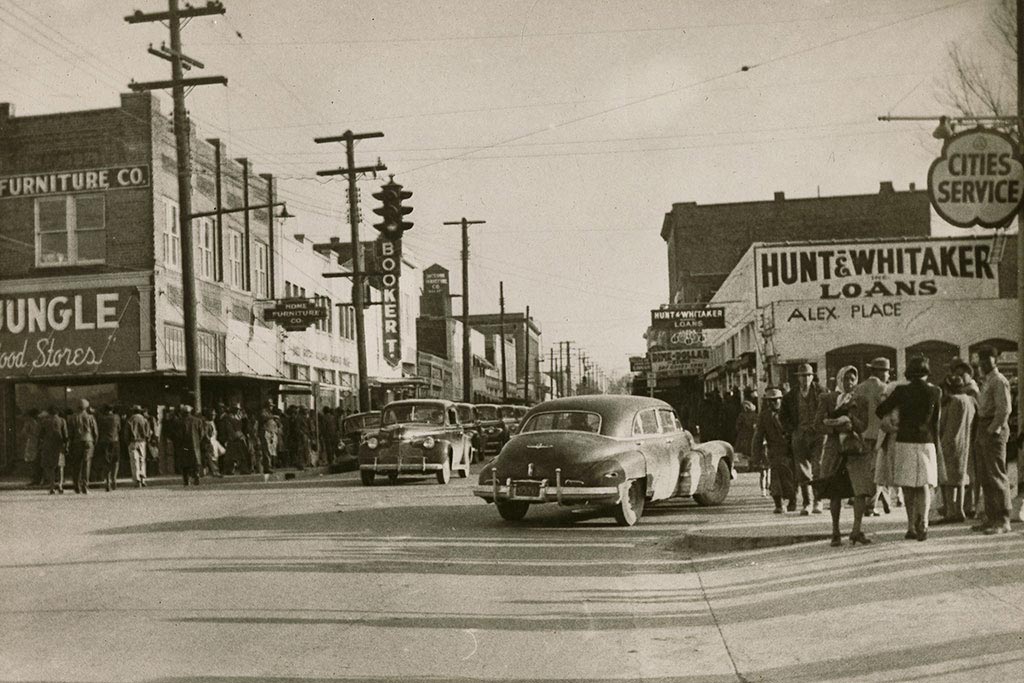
171,235
71,230
236,268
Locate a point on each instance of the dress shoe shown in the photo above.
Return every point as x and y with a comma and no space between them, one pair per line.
997,530
53,491
859,537
922,535
108,486
778,509
85,490
871,513
805,511
791,507
837,541
816,508
910,536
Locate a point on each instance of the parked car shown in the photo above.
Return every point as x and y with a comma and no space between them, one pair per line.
467,416
618,452
509,418
416,437
493,432
355,428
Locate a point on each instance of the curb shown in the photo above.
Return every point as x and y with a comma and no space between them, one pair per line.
720,542
164,480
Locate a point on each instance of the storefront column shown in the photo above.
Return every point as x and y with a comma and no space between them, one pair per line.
8,427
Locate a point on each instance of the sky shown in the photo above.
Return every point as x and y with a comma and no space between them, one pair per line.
569,126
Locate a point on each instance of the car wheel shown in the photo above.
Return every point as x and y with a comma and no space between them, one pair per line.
367,477
512,510
392,479
631,507
445,474
717,495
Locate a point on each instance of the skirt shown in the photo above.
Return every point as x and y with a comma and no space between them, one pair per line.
861,470
836,486
914,465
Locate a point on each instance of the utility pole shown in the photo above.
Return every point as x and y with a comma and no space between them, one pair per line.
467,389
551,373
567,366
501,321
358,273
1020,216
526,360
179,63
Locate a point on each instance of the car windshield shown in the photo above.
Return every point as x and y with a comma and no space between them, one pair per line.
414,412
508,411
361,422
466,414
487,412
567,420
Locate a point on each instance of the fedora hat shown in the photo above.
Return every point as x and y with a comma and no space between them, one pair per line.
772,393
804,369
880,363
918,367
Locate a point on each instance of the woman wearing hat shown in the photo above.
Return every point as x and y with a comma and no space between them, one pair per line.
955,438
769,435
845,467
915,452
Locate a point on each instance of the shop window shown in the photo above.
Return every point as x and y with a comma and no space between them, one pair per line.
174,346
171,235
235,259
262,270
70,230
211,351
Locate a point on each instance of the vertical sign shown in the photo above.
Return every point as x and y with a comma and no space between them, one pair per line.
389,258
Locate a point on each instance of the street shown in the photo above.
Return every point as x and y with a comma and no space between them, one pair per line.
323,579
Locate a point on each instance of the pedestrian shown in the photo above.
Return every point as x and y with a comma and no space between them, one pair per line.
82,433
234,427
799,411
914,464
210,446
299,431
269,435
955,421
846,470
993,431
108,445
53,445
188,451
866,397
328,435
771,444
972,493
743,443
139,436
28,437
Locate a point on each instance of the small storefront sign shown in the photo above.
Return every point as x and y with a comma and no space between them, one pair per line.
295,315
389,257
64,333
667,340
682,316
68,182
435,281
978,180
681,363
875,272
639,364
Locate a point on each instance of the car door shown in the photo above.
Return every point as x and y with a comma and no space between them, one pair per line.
457,437
672,439
648,438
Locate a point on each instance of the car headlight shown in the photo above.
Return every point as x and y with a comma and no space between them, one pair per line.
429,442
372,443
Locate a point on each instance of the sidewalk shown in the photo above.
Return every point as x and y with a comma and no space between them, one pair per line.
21,482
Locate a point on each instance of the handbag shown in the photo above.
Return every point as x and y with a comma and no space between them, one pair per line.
852,445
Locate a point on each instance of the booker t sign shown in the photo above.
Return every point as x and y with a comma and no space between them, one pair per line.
978,180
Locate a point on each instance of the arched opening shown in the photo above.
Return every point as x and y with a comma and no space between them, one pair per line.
939,355
1007,355
858,355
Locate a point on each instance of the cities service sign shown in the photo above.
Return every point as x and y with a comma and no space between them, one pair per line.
978,180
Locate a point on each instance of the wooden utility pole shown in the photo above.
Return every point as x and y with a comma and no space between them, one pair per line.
526,359
568,369
1020,216
467,375
179,63
352,172
501,322
551,373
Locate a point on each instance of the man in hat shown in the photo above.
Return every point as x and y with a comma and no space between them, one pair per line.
866,397
769,435
799,408
189,447
82,433
993,431
137,434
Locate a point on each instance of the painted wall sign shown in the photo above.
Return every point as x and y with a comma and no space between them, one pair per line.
978,180
295,315
681,316
65,182
943,269
389,257
435,282
69,333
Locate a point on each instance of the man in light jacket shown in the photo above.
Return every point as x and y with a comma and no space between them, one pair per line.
82,434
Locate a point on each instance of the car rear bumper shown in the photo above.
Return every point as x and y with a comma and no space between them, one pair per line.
548,492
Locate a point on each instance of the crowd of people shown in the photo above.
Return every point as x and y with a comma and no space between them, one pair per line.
85,447
871,441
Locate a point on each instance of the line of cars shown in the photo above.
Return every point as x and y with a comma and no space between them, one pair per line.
617,453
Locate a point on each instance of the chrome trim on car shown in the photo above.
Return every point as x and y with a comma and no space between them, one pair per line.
405,467
551,494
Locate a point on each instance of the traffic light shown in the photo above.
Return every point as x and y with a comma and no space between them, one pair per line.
391,210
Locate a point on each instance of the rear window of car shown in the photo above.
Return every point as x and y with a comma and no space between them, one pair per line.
567,420
361,422
414,413
487,412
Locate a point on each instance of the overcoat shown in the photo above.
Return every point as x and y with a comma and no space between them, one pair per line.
188,445
53,441
771,443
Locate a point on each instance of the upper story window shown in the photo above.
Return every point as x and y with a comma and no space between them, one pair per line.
262,270
70,230
207,244
235,259
172,235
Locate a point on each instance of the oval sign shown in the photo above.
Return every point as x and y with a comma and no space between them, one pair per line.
978,180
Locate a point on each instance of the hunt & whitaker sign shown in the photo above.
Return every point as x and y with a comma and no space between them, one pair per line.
60,333
682,316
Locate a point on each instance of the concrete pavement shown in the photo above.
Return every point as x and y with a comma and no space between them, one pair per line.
324,579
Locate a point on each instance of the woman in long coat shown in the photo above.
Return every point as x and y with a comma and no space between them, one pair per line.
53,444
915,452
845,467
957,414
769,436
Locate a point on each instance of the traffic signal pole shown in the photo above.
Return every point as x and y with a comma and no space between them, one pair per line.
501,317
467,375
353,171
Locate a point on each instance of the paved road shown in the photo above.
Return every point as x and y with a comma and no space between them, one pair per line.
328,580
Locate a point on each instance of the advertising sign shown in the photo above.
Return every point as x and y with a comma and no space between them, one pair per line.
639,364
66,182
666,340
978,180
681,316
295,315
389,258
80,332
682,363
875,273
435,282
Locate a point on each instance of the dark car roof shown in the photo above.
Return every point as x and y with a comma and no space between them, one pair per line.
616,410
422,401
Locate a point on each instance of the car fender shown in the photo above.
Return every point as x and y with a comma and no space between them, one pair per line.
634,465
703,464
